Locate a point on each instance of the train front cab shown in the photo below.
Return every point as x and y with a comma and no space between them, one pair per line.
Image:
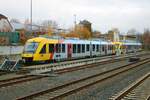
38,50
40,54
117,48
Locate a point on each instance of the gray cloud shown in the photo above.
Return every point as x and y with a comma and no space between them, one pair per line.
123,14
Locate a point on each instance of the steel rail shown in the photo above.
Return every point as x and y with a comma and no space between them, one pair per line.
25,78
120,70
128,89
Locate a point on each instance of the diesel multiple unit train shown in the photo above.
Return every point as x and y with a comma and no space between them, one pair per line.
42,49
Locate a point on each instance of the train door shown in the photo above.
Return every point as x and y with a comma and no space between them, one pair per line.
51,51
100,49
44,53
69,51
105,49
90,49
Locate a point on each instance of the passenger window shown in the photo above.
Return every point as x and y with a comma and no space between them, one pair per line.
83,48
43,50
63,48
74,48
79,48
58,48
93,47
87,47
108,47
103,48
97,48
51,48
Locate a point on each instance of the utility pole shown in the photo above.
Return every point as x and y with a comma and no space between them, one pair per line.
31,14
75,23
75,19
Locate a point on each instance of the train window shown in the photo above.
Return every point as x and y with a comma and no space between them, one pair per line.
83,48
103,48
87,47
108,47
63,48
31,47
58,48
93,47
100,47
97,47
74,48
129,47
43,50
51,48
79,48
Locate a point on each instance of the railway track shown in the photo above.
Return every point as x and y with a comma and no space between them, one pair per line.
112,60
66,70
139,90
75,63
26,78
4,72
69,88
17,80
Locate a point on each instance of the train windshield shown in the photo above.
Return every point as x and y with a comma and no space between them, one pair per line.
30,47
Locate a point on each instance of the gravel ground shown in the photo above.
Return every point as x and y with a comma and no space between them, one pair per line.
12,92
141,92
106,89
11,57
9,75
33,86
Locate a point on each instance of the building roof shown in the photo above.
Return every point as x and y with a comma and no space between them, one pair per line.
85,22
18,26
2,16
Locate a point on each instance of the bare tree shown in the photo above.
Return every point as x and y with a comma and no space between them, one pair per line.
48,23
116,30
49,26
27,21
14,20
132,31
146,39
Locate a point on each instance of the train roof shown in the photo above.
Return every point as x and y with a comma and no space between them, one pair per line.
131,42
41,39
68,40
76,41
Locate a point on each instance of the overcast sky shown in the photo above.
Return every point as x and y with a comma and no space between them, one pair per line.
103,14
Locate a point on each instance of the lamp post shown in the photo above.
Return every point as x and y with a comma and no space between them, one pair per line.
75,23
74,19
